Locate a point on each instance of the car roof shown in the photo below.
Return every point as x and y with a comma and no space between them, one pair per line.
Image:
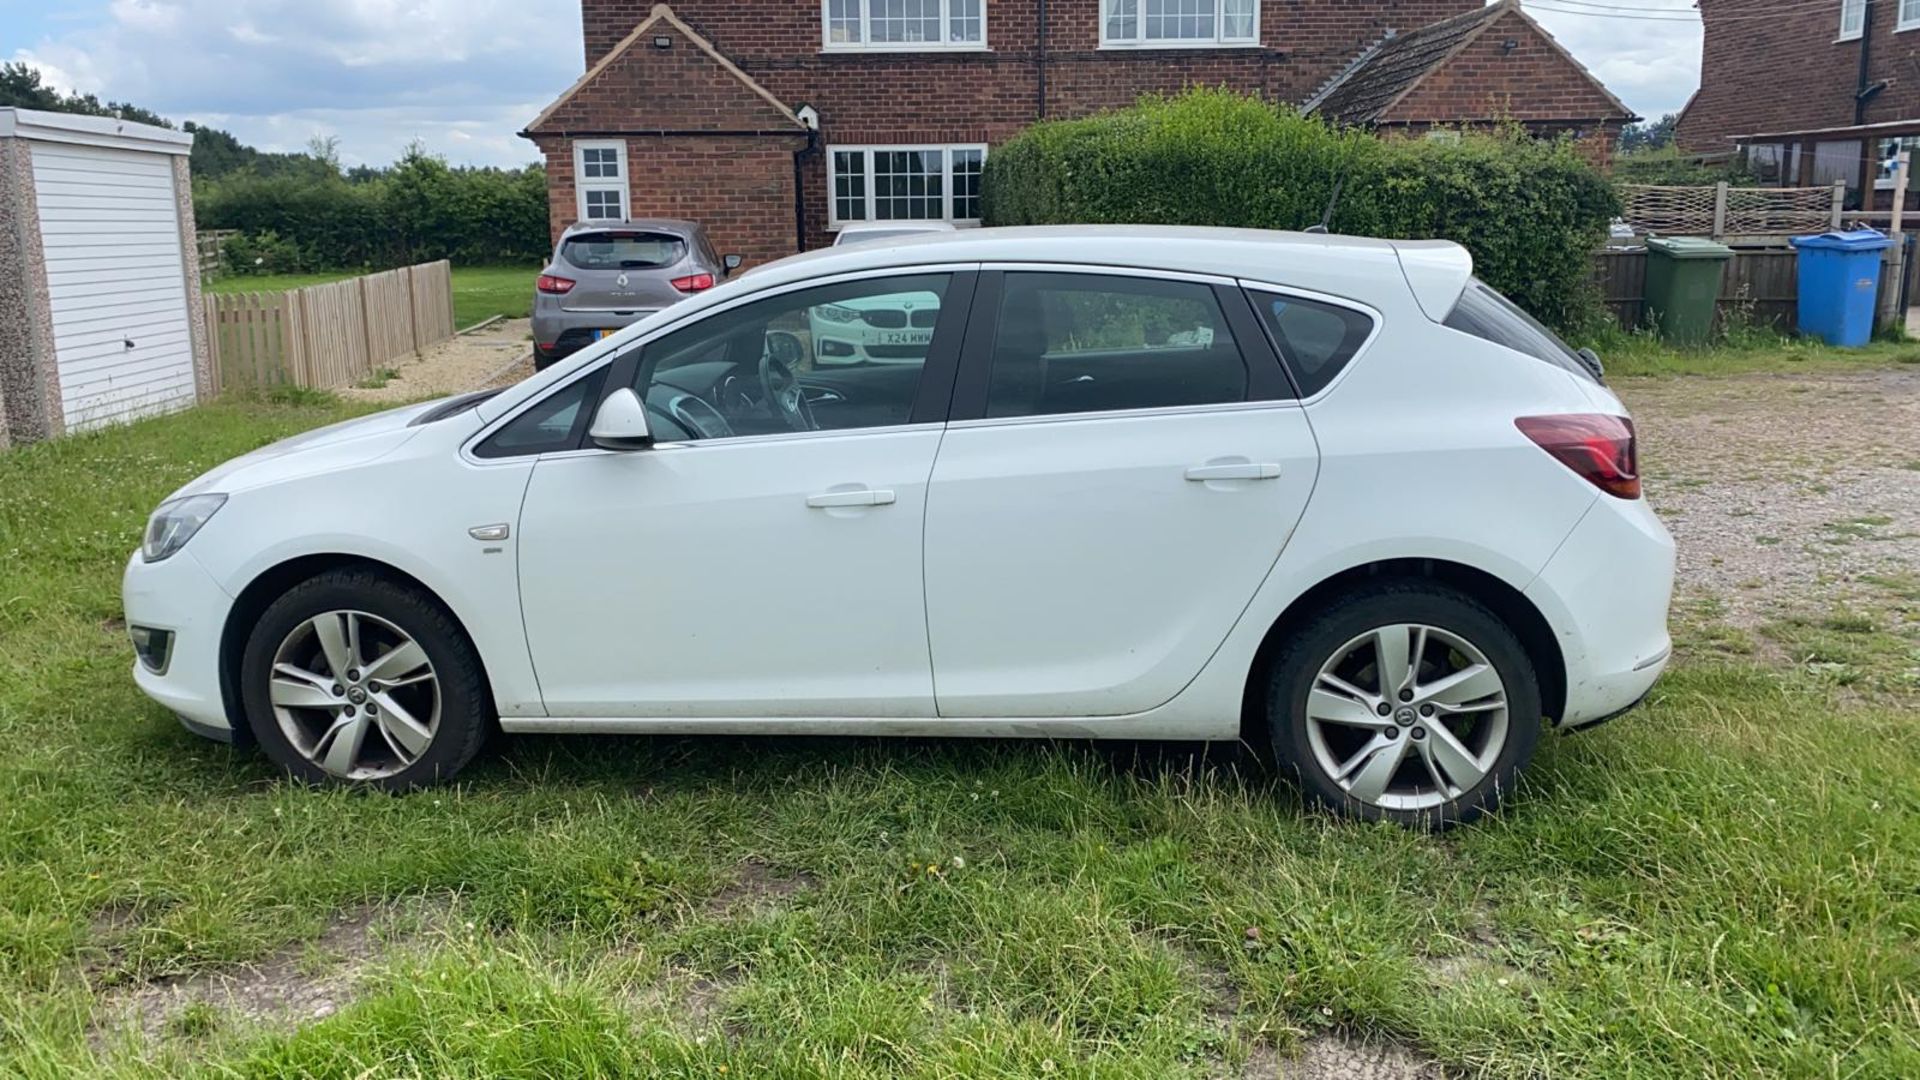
1362,268
685,228
897,226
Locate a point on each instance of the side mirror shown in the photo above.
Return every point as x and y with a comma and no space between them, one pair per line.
621,423
731,262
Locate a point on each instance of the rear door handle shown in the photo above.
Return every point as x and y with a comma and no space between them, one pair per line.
856,497
1239,471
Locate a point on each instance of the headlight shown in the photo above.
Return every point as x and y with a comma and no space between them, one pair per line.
175,523
836,313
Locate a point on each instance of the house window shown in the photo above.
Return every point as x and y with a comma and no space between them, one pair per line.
1179,23
600,179
1852,14
906,183
904,25
1909,15
1889,161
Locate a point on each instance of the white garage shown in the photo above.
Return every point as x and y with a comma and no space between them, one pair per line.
99,283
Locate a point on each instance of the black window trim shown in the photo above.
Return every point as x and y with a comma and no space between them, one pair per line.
1285,292
1267,380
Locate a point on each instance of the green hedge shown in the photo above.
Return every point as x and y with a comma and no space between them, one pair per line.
418,211
1531,211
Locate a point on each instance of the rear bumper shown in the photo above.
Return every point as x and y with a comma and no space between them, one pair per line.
562,332
179,596
1606,594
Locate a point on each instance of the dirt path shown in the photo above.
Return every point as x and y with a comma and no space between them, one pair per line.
1784,492
500,354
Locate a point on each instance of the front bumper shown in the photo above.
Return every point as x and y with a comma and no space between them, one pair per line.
1606,594
179,596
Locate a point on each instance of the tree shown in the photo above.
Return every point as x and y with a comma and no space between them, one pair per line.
1648,134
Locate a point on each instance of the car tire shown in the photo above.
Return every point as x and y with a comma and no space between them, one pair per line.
298,721
542,358
1441,753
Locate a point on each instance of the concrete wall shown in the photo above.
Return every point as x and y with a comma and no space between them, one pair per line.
29,382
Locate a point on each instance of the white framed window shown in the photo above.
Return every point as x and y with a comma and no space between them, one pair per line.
1909,16
1169,24
600,179
902,25
904,183
1852,15
1890,160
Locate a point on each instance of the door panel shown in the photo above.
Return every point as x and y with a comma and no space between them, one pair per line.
1074,568
713,580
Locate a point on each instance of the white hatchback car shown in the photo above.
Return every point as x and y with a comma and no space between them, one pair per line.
1330,495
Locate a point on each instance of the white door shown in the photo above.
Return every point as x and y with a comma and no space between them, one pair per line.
116,281
764,557
1128,478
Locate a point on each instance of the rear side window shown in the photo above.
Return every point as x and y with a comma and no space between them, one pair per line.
1073,343
1315,339
622,250
1486,314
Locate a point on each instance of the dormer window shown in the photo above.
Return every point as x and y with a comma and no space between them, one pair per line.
903,25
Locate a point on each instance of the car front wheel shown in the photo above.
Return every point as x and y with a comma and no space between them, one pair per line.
353,678
1405,701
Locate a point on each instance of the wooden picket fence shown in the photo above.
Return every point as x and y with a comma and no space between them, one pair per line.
328,336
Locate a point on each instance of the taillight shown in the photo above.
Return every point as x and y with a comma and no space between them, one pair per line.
558,286
693,282
1600,448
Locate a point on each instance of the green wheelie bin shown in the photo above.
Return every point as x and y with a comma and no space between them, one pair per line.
1683,282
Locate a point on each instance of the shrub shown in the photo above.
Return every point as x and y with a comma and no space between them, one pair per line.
417,211
1530,211
261,253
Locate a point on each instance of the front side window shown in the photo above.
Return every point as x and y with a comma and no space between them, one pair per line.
1315,339
904,25
906,183
1166,23
1852,17
1075,343
832,358
600,179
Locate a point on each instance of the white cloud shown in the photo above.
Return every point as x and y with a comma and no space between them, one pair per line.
462,76
1651,64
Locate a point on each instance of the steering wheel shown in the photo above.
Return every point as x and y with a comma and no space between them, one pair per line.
788,400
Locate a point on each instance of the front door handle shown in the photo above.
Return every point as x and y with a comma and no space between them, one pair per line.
856,497
1246,470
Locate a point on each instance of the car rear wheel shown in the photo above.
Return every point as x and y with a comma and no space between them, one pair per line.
543,358
352,678
1407,702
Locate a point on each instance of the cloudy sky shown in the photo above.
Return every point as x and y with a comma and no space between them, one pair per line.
463,75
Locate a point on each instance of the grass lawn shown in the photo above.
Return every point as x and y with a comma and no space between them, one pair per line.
479,292
1725,883
1641,353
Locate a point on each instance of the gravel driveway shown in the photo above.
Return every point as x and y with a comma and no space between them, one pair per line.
500,354
1785,493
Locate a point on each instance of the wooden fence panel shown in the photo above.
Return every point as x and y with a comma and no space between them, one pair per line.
1761,288
331,335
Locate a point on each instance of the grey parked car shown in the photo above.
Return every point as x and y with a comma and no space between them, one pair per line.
605,275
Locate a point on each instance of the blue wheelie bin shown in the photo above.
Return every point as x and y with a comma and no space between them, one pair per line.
1839,281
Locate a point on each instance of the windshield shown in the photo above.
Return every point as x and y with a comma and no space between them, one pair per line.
622,250
1484,313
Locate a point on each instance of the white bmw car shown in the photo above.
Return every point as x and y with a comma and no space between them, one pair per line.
1333,496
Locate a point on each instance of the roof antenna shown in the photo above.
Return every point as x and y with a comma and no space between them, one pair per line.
1333,201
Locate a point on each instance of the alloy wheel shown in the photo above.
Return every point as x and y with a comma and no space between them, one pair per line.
1407,717
355,694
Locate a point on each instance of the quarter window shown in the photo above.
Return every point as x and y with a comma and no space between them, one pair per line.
1486,314
904,25
552,425
1315,340
906,183
600,179
1168,23
1075,343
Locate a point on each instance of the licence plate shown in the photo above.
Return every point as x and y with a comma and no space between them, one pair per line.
906,337
598,334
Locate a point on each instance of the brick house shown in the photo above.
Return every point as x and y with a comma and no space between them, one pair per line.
775,121
1813,92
